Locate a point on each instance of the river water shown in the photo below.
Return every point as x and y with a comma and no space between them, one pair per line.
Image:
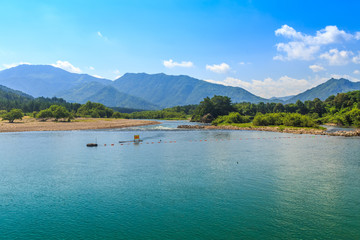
229,185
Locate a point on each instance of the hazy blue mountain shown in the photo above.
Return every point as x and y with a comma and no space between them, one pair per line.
167,91
105,94
324,90
280,99
43,80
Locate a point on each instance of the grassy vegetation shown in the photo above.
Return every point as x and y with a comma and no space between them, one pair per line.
281,127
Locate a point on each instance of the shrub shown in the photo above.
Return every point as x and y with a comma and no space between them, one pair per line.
233,117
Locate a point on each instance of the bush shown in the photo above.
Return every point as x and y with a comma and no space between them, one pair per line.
268,119
116,115
287,119
44,114
233,117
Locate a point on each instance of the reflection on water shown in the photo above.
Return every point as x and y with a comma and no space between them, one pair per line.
259,187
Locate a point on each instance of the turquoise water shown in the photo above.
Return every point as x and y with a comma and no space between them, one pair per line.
264,186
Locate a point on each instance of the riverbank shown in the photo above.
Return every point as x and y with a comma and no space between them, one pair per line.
281,129
30,124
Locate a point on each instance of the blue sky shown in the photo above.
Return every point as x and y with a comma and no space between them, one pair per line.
271,48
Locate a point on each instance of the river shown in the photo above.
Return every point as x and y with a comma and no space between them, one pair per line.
178,184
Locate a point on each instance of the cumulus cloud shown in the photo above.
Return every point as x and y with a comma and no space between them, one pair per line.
316,68
304,47
356,72
337,76
356,59
220,68
67,66
11,65
268,87
170,64
336,57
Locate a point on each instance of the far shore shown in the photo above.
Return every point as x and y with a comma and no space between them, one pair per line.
293,130
28,124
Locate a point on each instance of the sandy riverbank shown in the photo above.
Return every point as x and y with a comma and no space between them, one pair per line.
278,129
31,124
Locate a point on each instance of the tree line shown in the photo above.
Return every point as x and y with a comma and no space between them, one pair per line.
342,109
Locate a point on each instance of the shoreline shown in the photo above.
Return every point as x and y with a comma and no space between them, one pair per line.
277,129
32,125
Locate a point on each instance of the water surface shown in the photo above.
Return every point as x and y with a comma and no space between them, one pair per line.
234,185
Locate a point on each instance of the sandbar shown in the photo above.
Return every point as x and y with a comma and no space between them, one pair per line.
30,124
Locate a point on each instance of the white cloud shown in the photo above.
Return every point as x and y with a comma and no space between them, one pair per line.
357,36
305,47
267,88
336,57
316,68
356,72
356,59
97,76
220,68
100,35
91,68
170,64
11,65
67,66
296,50
337,76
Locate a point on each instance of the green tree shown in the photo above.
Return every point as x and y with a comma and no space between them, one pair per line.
45,114
59,112
279,107
13,114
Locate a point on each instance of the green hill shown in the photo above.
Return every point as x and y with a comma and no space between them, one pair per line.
324,90
104,94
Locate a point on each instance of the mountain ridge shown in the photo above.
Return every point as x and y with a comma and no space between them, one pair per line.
322,91
142,90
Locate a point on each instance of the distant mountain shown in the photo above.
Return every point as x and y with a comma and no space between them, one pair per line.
325,90
147,91
281,99
43,80
105,94
167,91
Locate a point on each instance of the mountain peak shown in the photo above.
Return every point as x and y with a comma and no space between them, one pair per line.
331,87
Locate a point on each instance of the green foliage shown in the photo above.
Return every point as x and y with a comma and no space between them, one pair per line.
216,106
287,119
161,114
2,113
55,111
116,115
44,114
95,110
12,115
298,120
268,119
233,117
59,112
